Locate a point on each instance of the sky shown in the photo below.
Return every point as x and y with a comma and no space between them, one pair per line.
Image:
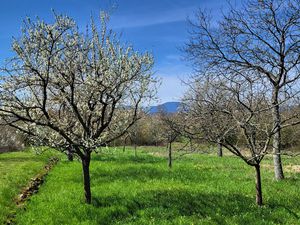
156,26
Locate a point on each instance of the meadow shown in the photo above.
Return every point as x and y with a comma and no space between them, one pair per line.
199,189
16,170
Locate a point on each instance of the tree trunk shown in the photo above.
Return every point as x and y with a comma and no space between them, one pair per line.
277,157
170,155
70,155
259,199
135,153
86,178
277,139
220,150
124,146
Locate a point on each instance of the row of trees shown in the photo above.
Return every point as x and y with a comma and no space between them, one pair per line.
246,89
78,91
245,92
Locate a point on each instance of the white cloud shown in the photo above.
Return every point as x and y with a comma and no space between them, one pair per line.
142,20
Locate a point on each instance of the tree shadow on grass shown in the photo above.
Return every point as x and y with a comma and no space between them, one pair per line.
178,203
275,206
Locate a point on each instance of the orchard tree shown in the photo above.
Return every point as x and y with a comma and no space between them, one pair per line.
234,113
204,102
74,90
171,130
261,37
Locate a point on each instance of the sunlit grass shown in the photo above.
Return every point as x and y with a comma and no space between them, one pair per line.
16,169
199,189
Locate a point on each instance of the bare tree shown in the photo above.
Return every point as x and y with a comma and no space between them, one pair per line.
74,90
171,125
204,102
234,113
261,36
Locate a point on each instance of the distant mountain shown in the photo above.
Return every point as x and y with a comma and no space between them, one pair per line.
169,107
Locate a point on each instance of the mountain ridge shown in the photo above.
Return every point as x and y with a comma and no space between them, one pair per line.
168,107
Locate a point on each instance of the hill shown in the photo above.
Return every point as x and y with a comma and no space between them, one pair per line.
169,107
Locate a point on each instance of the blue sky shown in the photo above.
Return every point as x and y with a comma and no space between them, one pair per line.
158,26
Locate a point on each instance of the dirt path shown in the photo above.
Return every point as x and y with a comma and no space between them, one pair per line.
32,188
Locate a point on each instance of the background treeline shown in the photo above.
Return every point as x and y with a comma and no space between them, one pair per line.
150,130
11,139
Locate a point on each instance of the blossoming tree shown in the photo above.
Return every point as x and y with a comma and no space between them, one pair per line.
74,90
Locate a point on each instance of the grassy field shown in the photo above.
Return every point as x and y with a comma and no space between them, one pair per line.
16,169
199,189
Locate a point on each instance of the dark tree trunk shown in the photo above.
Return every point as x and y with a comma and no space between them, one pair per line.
220,150
124,147
86,178
259,200
70,155
277,139
170,155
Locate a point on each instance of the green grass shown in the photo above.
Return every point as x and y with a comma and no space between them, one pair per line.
199,189
16,169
